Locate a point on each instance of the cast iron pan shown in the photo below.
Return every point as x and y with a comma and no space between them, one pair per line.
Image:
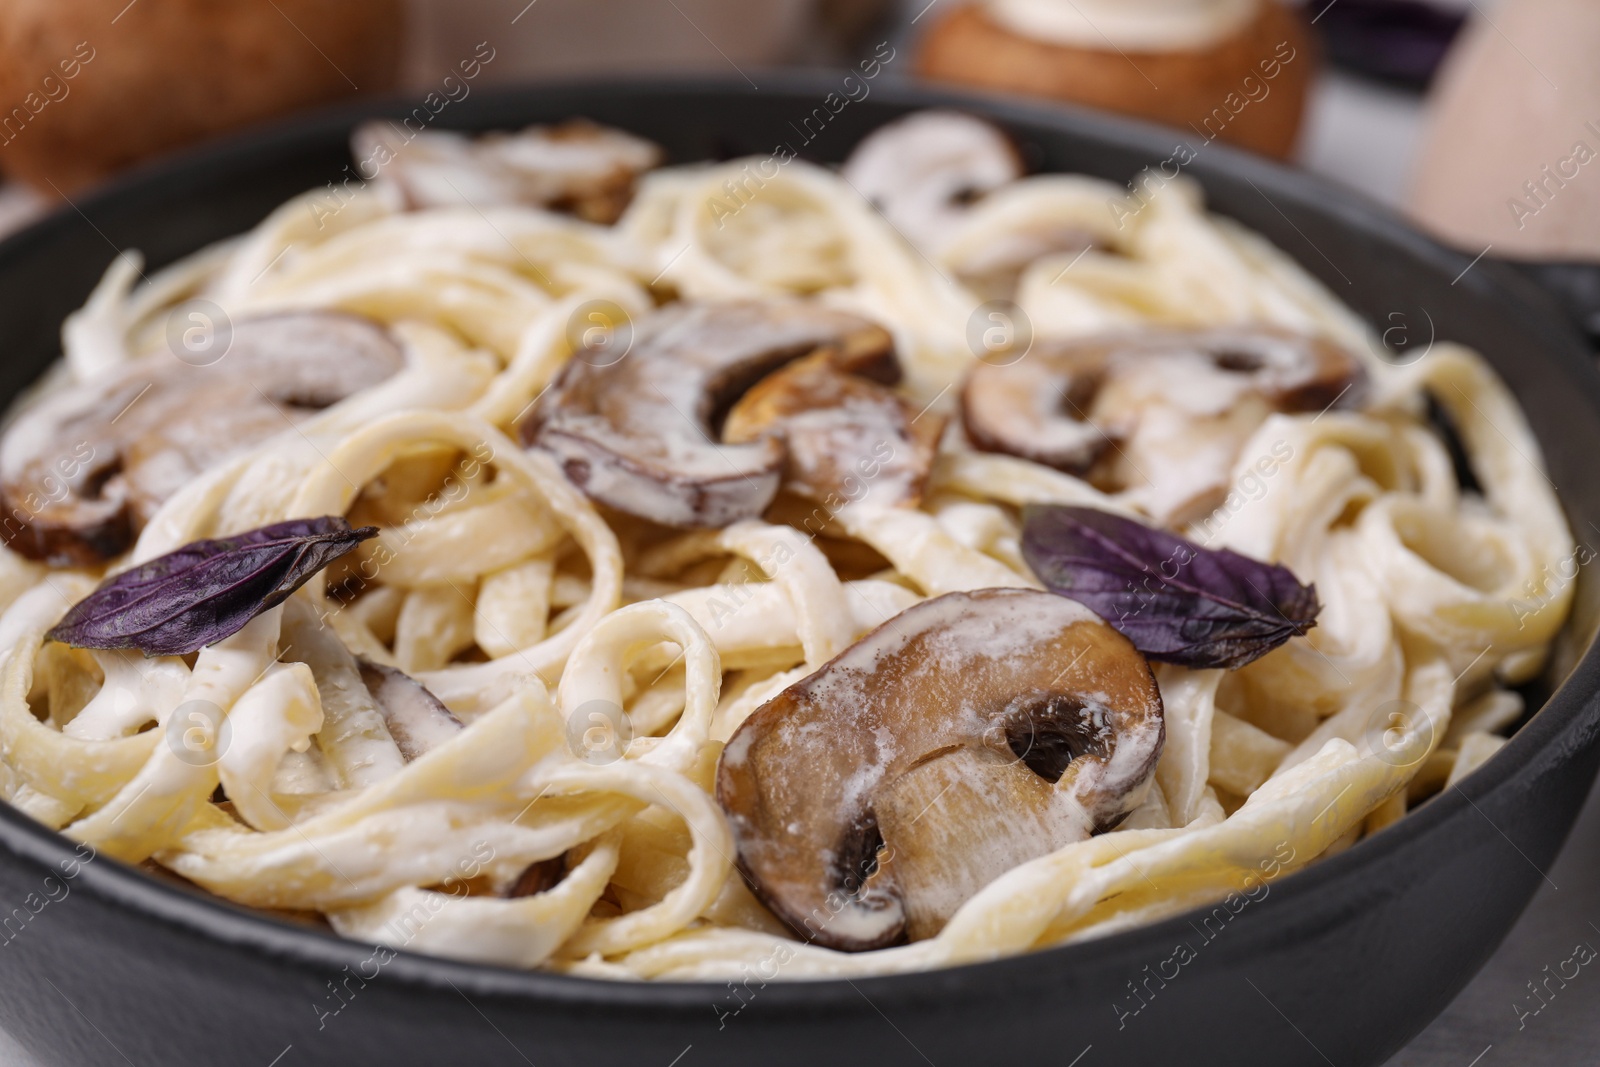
1338,965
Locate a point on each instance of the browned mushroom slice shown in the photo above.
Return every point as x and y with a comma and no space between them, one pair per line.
577,167
637,433
969,734
923,172
1177,404
1036,408
416,719
846,438
82,471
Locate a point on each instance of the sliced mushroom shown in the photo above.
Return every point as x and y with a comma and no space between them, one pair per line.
1037,407
994,269
82,471
847,438
416,719
969,734
577,167
1163,412
541,876
923,172
639,433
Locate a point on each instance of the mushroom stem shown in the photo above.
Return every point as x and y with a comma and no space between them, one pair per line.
960,818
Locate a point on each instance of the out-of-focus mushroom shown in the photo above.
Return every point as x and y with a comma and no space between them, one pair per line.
541,876
971,733
82,471
1163,412
923,172
994,269
416,719
846,437
639,433
577,167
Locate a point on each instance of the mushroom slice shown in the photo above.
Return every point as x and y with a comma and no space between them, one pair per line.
416,719
541,876
923,172
638,433
577,167
994,268
1177,404
1036,408
969,734
83,470
846,437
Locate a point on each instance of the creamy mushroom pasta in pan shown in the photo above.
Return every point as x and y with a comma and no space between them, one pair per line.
530,553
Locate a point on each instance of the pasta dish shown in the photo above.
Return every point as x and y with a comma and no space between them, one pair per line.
544,556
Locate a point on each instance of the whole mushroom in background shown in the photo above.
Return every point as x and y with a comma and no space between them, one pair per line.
88,86
1235,70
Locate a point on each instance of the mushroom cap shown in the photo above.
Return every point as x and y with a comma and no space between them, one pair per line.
924,171
578,166
1176,404
968,734
84,469
846,437
639,433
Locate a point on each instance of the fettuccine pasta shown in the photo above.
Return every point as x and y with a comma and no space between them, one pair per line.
595,664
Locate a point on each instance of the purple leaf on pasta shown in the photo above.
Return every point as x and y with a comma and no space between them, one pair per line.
207,590
1176,601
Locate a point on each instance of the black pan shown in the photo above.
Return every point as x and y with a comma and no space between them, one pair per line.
1337,965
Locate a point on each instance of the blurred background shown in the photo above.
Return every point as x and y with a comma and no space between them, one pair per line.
1470,115
1479,120
1476,118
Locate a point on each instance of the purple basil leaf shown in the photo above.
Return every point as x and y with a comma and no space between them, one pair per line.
1177,602
207,590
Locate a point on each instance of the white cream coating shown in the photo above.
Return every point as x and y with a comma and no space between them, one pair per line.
135,691
280,714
